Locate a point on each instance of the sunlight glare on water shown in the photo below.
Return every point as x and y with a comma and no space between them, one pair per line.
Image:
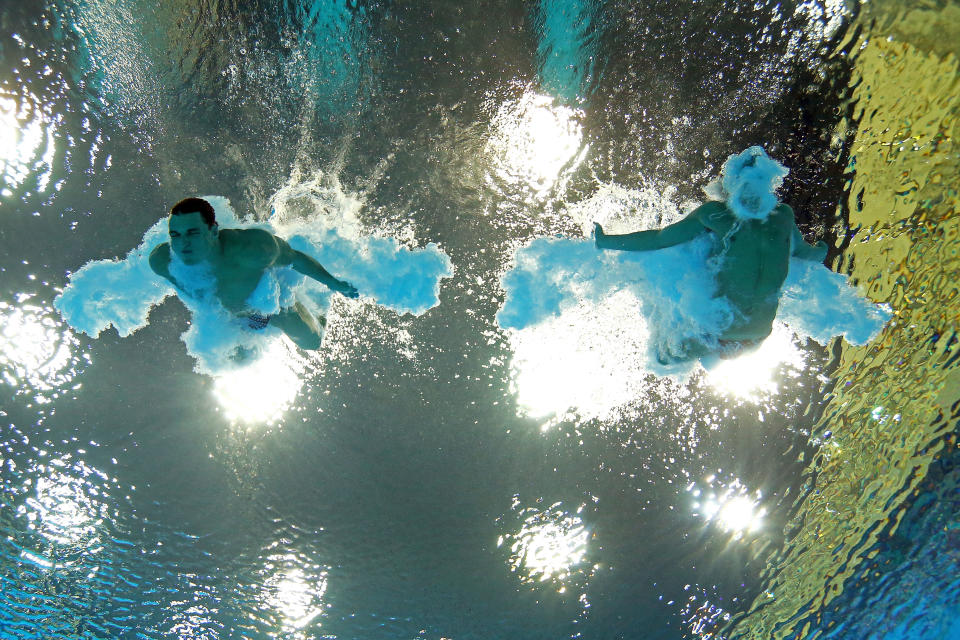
36,349
586,359
259,393
22,133
295,596
535,141
752,375
549,546
734,510
62,511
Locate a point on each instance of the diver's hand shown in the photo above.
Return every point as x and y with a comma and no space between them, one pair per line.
346,289
597,234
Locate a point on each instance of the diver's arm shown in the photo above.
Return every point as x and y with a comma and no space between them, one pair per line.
800,249
302,263
160,261
674,234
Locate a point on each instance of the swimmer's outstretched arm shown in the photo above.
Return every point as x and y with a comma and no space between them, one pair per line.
302,263
674,234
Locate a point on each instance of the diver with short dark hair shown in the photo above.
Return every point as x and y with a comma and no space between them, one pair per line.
226,265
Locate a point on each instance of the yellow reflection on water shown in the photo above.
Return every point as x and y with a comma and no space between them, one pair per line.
534,141
549,545
260,392
891,410
751,375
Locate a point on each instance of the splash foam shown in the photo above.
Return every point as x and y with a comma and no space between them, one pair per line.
748,183
675,292
674,288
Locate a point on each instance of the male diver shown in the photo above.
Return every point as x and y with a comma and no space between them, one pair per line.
234,260
753,237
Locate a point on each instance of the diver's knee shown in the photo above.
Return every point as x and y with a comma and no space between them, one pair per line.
304,338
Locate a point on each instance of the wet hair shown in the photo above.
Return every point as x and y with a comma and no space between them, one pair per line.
195,205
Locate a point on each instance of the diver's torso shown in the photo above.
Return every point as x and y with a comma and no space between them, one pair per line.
235,285
236,277
230,278
753,261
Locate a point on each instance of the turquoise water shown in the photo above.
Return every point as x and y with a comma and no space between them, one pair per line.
433,475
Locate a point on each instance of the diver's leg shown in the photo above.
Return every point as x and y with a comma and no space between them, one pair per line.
301,326
689,350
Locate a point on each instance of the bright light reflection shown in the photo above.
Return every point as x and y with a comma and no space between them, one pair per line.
534,140
21,135
739,514
194,622
260,392
62,510
296,597
824,17
588,359
751,375
36,349
548,546
735,510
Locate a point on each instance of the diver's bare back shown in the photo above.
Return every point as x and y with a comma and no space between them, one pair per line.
238,267
754,259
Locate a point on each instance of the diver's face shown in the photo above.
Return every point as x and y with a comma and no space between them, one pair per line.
191,239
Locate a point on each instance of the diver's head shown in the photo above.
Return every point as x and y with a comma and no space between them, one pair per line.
748,183
193,230
750,179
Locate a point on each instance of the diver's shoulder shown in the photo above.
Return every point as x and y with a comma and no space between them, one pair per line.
712,209
714,215
782,216
249,244
245,236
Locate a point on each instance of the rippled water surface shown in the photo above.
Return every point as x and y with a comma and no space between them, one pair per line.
435,476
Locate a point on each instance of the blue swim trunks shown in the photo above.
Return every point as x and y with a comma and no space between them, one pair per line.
257,321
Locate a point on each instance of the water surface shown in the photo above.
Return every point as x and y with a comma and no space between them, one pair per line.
420,483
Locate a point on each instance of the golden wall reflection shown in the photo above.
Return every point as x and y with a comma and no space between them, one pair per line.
903,207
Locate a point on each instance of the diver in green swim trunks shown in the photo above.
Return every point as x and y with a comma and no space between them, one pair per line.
234,261
753,237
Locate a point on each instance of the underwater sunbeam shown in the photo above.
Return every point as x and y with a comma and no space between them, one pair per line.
534,140
259,393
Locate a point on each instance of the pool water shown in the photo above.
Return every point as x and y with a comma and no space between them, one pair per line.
435,476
